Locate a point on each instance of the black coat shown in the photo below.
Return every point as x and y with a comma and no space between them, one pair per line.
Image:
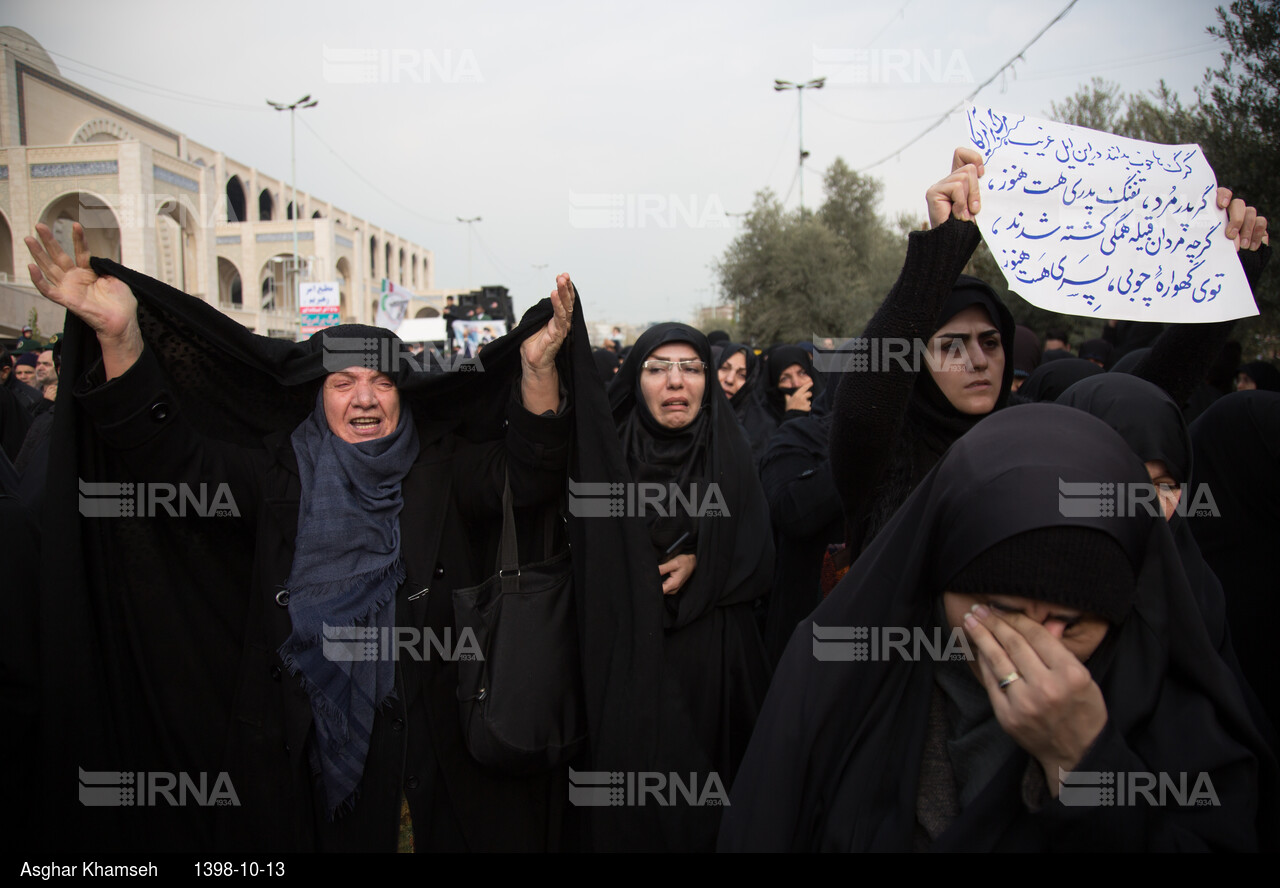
417,744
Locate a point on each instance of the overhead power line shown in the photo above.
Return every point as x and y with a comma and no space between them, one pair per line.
942,119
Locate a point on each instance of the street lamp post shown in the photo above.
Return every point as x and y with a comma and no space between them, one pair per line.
304,102
468,223
779,86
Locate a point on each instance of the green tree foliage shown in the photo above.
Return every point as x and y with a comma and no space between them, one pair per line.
1235,119
793,275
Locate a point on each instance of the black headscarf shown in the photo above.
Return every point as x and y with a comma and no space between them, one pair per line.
710,449
780,359
941,422
1128,362
1264,375
1148,420
1027,352
932,423
656,453
748,401
835,762
714,668
1052,379
1096,350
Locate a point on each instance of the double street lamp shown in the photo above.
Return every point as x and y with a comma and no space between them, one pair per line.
304,102
779,86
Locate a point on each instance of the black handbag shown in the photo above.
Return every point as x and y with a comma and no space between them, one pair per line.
522,704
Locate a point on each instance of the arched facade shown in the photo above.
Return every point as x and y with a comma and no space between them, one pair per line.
100,221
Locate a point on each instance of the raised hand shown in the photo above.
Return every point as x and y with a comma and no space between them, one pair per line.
538,352
540,381
957,195
104,303
801,398
1247,230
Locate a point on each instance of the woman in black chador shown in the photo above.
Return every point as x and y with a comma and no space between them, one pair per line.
740,374
715,558
1054,664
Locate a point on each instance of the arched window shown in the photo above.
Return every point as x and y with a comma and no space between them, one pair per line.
235,200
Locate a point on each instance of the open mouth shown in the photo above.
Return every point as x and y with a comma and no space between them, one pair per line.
366,423
675,404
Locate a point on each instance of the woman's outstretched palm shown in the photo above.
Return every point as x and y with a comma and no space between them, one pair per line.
104,303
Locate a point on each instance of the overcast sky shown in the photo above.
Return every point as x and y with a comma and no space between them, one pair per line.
607,140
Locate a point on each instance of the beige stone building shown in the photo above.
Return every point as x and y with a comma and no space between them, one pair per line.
163,204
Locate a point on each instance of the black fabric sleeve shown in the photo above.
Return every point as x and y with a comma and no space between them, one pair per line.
534,453
138,416
801,493
15,419
1180,358
869,408
1117,816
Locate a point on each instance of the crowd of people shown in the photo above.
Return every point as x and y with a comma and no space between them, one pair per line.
1107,684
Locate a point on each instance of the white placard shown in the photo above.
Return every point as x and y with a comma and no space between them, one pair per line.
1086,223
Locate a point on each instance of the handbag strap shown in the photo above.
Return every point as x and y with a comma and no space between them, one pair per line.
508,548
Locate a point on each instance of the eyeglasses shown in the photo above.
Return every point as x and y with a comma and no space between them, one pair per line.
684,368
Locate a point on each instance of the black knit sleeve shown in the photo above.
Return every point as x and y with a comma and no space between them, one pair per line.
870,405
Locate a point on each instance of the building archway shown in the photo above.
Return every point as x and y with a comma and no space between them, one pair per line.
387,263
101,129
230,291
235,200
176,227
373,256
279,292
101,224
6,249
427,312
343,271
266,206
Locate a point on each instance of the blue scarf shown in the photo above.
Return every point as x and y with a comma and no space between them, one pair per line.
346,570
